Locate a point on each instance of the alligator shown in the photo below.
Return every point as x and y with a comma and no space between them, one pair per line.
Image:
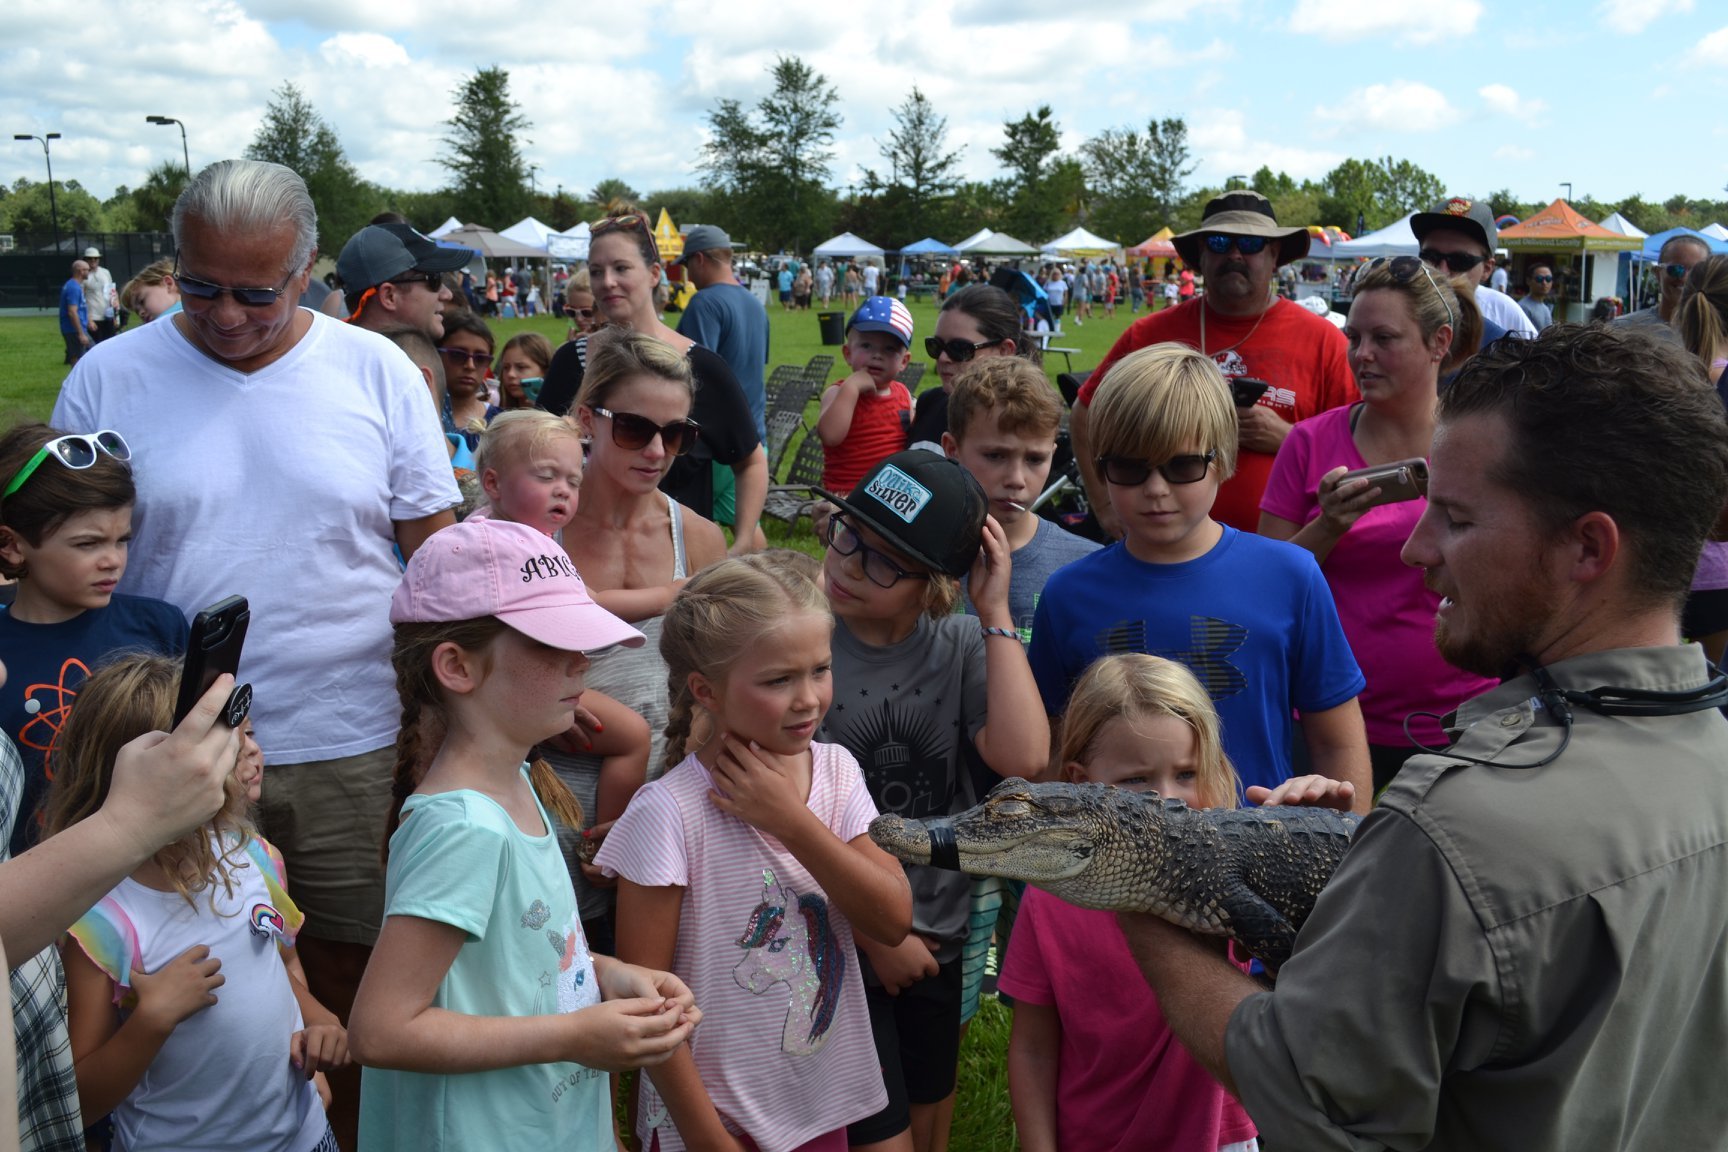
1248,873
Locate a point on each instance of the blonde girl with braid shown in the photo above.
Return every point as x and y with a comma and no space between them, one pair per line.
483,1020
746,869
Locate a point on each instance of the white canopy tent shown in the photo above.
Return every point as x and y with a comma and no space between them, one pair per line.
570,244
1393,240
972,239
846,245
1625,227
528,231
443,229
995,244
1080,242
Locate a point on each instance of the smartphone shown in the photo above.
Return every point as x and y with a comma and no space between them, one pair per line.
1246,391
218,634
1399,481
531,386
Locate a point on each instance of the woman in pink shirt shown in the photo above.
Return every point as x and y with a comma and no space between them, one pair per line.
1406,327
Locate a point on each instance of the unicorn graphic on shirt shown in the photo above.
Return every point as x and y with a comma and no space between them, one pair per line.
789,939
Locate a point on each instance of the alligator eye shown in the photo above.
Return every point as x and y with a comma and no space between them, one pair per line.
1013,808
1082,849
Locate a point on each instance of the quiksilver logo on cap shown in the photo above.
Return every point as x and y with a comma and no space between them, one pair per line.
898,493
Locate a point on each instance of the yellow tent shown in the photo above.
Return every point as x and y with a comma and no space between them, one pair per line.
667,238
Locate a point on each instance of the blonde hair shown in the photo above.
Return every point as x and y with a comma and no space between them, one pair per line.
425,720
121,701
1162,402
516,435
1434,300
1019,394
152,274
722,611
1134,686
618,355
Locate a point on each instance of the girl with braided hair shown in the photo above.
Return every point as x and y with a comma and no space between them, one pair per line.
747,867
483,1019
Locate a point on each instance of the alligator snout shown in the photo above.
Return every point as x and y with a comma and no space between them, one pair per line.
916,842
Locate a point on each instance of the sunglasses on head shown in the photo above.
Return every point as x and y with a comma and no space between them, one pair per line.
1457,261
75,452
1404,269
1677,271
460,356
630,222
205,290
1127,472
1247,245
633,433
959,351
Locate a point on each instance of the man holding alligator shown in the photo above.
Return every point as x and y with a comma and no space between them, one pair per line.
1526,945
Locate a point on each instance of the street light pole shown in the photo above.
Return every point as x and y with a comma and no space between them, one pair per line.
1231,179
184,153
1567,184
53,208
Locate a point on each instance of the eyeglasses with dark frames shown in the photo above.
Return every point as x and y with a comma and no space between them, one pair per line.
1219,243
634,433
251,297
1456,261
1128,472
1404,269
959,351
879,569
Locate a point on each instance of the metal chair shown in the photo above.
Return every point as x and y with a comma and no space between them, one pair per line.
793,499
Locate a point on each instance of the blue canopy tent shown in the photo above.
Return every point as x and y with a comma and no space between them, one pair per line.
930,246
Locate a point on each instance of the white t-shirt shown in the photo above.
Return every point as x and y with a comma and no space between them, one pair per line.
1504,311
872,276
99,293
1499,280
281,486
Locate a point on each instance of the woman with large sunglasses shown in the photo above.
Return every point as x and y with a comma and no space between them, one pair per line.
1407,326
976,323
623,270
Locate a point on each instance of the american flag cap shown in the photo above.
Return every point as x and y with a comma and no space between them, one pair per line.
883,314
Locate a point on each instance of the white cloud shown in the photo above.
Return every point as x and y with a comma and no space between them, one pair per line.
1401,106
362,50
1630,17
1711,51
1410,21
1513,152
1504,101
1219,138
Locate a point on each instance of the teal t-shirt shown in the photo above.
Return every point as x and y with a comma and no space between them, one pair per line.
459,859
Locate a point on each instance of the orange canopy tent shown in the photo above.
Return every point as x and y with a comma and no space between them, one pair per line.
1156,246
1558,228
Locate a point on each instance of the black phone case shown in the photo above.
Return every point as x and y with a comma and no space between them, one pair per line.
218,635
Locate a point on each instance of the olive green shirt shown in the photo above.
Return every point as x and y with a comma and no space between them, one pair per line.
1517,958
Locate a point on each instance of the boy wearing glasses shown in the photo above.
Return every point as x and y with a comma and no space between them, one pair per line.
865,417
1252,618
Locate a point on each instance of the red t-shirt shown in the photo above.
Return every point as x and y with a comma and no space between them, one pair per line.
1295,351
878,431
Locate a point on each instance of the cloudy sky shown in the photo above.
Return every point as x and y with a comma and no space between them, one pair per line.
1618,97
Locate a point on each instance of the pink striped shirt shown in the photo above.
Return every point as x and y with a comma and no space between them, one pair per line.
784,1049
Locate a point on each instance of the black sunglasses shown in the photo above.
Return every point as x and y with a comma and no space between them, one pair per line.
1404,269
1247,245
1457,261
432,280
959,351
461,356
633,433
878,568
251,297
1127,472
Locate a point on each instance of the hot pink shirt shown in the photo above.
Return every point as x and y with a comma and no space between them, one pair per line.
784,1049
1124,1083
1388,615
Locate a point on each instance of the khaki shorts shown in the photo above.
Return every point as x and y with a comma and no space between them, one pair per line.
327,819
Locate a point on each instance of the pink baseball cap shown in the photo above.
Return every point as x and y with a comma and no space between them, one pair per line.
511,571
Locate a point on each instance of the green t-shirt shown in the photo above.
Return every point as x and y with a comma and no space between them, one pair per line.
459,859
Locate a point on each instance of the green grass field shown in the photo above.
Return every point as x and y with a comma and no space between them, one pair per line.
30,378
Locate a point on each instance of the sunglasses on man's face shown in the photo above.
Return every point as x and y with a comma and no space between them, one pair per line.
250,297
432,280
1247,245
1457,261
634,433
959,351
459,357
1127,472
1677,271
1542,279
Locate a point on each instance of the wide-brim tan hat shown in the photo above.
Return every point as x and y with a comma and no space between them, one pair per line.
1242,213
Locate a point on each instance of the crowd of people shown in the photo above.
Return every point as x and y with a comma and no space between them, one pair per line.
542,775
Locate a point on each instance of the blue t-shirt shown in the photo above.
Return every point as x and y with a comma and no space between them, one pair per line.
1253,619
72,296
784,280
728,320
46,664
459,859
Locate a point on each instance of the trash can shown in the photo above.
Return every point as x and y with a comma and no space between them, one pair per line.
833,327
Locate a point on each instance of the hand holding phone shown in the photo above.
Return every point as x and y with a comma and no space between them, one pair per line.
1398,481
1245,391
218,634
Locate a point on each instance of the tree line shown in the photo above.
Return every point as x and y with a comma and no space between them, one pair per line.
766,174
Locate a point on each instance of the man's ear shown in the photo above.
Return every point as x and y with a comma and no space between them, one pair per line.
1596,542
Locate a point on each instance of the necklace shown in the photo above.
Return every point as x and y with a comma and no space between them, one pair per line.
1239,343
